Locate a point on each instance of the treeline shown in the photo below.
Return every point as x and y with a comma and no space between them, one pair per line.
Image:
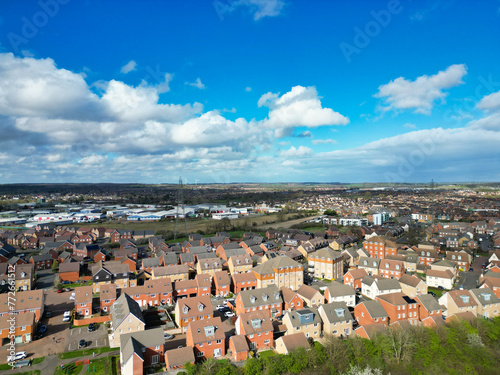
458,348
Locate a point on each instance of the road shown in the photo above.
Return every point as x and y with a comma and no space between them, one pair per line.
45,279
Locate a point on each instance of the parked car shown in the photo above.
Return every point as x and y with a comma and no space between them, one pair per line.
67,316
432,294
39,335
92,327
220,307
43,329
72,297
471,269
440,287
229,314
16,357
59,290
68,289
168,336
82,344
66,282
48,314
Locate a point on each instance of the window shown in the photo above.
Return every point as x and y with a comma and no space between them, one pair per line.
219,341
200,354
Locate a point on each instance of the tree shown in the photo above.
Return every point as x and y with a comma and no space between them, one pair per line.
252,367
414,236
55,265
331,213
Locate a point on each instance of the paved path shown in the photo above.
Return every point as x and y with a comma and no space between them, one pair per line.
52,361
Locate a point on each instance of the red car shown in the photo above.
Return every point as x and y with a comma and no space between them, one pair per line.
59,290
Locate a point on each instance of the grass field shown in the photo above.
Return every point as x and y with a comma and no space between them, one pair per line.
194,224
82,353
438,292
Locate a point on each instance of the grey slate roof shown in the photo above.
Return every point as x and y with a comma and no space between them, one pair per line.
122,307
257,297
304,317
336,312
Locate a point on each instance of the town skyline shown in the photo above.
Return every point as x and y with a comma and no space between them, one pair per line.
235,92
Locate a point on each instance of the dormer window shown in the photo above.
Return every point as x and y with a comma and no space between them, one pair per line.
185,309
209,330
253,299
206,265
365,262
237,261
339,312
277,296
459,257
265,297
486,296
387,265
397,266
465,299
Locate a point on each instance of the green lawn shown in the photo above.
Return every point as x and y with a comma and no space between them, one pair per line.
36,361
69,369
267,353
85,352
438,292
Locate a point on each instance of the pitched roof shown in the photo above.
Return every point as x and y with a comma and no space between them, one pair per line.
429,302
262,296
122,307
375,309
194,306
206,330
294,341
255,322
277,263
179,356
304,317
336,312
239,343
337,289
410,280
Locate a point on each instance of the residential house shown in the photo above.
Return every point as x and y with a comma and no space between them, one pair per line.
326,263
369,331
400,307
126,317
238,346
307,321
41,262
268,298
354,277
175,273
111,272
440,279
373,287
369,312
488,304
22,328
209,266
29,301
310,296
149,346
239,263
288,343
258,329
458,301
191,309
107,297
443,265
85,250
412,285
291,299
207,338
244,281
203,285
370,265
185,288
176,359
83,300
462,260
69,271
222,284
429,307
337,319
337,292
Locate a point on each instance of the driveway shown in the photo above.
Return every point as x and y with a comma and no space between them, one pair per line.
468,280
94,339
45,279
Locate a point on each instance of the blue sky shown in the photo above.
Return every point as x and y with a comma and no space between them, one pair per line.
249,91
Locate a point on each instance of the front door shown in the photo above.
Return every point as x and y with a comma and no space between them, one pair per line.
217,352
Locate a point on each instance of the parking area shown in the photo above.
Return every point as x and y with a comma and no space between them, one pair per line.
94,339
468,280
45,279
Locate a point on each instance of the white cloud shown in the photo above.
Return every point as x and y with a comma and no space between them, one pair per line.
248,89
164,86
198,84
324,141
409,126
420,95
304,134
129,67
490,102
293,152
299,107
259,8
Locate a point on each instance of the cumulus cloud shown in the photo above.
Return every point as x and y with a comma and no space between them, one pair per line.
421,94
258,8
299,107
248,89
409,126
294,152
129,67
198,84
490,102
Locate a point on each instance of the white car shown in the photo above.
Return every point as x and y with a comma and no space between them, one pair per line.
67,316
72,297
220,307
16,357
229,314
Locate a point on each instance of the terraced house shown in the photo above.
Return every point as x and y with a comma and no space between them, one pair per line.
191,309
111,272
29,301
337,319
307,321
281,272
257,328
380,247
207,338
260,299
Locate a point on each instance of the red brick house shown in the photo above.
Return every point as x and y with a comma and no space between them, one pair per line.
107,297
257,328
100,256
83,300
369,312
291,300
391,269
185,288
41,262
244,281
400,307
207,338
222,283
143,347
238,346
428,306
85,250
175,359
354,277
203,285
